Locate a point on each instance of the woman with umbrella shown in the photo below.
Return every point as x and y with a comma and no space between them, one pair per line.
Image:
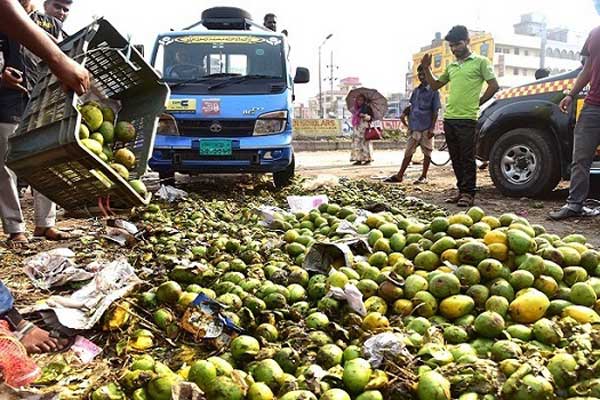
366,106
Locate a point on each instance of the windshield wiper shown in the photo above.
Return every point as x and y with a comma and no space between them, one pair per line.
239,79
204,79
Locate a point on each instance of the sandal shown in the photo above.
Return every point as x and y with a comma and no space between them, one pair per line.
421,181
52,234
466,200
356,163
392,179
454,199
12,243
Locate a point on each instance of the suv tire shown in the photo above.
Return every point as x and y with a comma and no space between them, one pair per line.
284,178
525,162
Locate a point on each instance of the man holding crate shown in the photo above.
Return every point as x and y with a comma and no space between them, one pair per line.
17,80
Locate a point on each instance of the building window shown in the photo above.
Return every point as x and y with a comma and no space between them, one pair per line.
515,71
572,55
484,49
437,61
548,52
506,51
516,51
498,49
526,52
524,72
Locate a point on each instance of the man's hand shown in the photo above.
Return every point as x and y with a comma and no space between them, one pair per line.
71,74
566,103
426,60
13,78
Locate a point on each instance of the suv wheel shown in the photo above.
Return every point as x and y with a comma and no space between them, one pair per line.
525,162
284,178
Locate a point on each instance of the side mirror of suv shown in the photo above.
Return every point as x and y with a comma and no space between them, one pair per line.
302,75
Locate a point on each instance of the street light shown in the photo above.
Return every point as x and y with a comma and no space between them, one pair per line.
320,79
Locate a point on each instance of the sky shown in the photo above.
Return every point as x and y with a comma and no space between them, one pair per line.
373,40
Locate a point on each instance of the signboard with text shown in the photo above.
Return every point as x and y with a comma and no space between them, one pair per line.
317,127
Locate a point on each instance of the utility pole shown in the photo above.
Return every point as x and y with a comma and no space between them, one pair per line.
332,79
320,78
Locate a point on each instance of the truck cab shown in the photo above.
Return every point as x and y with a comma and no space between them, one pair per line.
230,109
527,139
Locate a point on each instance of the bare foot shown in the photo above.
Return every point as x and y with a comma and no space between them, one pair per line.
39,341
17,240
52,233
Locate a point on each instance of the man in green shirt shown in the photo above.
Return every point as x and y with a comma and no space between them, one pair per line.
466,76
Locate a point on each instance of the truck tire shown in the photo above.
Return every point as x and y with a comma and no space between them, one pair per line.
284,178
167,178
525,162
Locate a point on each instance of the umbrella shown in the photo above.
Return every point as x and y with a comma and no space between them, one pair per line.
375,100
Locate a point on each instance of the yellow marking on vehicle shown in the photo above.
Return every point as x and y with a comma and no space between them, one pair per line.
537,88
181,105
194,39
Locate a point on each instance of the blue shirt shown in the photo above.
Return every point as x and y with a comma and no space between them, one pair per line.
423,103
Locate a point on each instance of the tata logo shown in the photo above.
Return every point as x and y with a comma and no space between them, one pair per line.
216,127
252,111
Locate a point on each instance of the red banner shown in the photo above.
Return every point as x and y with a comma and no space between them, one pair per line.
392,124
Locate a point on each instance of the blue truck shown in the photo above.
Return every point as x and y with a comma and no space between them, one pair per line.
231,104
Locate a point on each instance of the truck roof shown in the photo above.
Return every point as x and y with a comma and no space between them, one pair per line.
211,32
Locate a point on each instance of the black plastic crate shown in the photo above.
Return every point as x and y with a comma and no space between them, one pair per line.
46,151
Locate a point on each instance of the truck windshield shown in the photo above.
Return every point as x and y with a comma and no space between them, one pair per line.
206,58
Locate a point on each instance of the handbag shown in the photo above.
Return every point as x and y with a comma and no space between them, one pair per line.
373,133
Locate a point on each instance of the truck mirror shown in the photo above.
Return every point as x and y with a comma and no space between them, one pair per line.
302,75
140,48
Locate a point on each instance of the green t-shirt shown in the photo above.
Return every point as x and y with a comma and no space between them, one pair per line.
466,80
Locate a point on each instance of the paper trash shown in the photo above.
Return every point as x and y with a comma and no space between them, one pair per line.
84,308
353,297
306,203
54,268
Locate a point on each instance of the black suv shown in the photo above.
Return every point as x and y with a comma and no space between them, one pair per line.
527,139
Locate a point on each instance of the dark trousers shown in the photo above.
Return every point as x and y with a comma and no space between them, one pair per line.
462,141
586,140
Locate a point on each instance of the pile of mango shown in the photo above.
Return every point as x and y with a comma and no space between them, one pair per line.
477,307
107,139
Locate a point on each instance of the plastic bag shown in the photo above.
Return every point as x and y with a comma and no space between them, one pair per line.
327,181
17,368
170,193
352,295
381,346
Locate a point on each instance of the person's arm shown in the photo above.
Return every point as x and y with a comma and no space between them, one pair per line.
16,24
432,81
487,73
492,88
583,79
404,115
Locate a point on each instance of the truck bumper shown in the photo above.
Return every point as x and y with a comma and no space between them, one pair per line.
179,154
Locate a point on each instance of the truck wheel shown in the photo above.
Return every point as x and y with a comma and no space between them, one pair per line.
525,163
167,178
284,178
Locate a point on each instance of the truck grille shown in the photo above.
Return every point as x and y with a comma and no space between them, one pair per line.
229,128
194,155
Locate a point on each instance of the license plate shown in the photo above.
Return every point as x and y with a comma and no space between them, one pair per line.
215,147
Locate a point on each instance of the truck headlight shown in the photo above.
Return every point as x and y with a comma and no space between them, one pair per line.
271,123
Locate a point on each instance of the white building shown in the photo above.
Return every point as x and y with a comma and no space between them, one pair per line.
518,55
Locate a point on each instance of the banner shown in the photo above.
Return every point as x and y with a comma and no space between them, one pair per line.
317,127
392,124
